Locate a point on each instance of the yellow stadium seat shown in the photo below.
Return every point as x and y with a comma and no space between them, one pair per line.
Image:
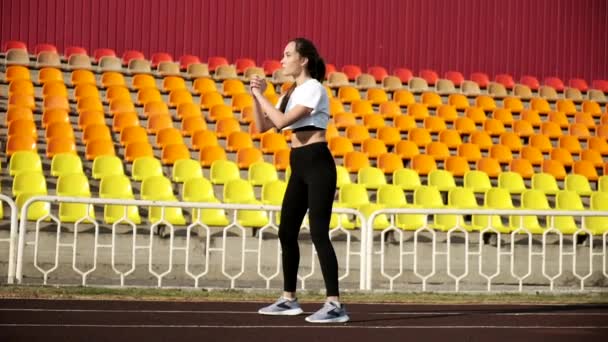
185,169
107,165
65,163
29,182
598,225
240,191
407,179
566,200
118,187
24,161
260,173
158,188
545,182
511,181
478,181
201,190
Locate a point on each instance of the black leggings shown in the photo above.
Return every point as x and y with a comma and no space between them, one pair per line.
311,186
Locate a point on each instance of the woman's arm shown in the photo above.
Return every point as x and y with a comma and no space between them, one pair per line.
261,121
278,119
267,114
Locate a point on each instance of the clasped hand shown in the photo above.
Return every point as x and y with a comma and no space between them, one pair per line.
257,85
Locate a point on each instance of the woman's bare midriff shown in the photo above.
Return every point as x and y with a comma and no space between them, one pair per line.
307,137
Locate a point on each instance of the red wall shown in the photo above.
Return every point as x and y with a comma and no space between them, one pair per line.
566,38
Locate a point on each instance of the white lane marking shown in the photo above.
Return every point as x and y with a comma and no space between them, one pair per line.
310,326
419,313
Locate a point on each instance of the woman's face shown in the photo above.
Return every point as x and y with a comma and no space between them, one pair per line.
292,62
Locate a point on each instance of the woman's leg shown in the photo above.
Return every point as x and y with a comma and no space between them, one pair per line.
321,193
293,211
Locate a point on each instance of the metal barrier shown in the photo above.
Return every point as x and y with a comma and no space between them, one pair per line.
425,269
12,238
151,242
515,264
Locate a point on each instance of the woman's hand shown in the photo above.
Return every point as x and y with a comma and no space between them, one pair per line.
258,85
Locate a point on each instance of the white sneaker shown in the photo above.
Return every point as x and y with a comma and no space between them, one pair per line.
282,307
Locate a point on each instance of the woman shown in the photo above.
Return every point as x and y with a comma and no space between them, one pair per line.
312,185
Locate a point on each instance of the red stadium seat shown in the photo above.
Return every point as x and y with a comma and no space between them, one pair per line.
158,57
75,50
481,78
530,81
215,61
506,80
555,83
455,76
128,55
404,74
579,84
44,48
103,52
600,85
270,66
430,76
351,71
378,72
13,44
186,60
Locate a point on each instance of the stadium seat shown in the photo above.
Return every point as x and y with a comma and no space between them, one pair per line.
239,191
74,185
260,173
554,168
223,170
247,156
66,163
98,148
389,162
406,178
211,153
522,166
107,165
545,182
118,187
158,188
371,177
598,225
566,200
478,181
585,168
441,179
174,152
458,198
511,181
185,169
280,159
58,145
355,160
144,167
495,198
22,161
29,182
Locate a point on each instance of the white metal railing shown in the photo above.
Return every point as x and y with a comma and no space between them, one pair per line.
231,275
515,272
448,261
12,238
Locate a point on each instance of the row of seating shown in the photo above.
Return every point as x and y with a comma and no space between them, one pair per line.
239,191
350,71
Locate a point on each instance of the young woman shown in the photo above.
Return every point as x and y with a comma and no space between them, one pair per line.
312,185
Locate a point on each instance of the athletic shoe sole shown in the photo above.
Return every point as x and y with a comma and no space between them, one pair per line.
341,319
290,312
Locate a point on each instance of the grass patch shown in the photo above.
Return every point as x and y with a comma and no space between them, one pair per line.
154,294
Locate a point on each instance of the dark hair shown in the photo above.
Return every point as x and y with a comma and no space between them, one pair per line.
315,65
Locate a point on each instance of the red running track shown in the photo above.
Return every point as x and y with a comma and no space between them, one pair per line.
93,321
